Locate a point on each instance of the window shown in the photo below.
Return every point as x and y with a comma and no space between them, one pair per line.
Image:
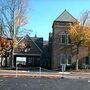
21,60
65,59
62,59
27,49
64,38
87,60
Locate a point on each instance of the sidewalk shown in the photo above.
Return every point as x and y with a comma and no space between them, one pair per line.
68,75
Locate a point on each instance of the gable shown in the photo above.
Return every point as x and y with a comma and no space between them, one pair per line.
66,17
30,46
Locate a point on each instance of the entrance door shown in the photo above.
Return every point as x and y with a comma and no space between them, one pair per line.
30,62
37,62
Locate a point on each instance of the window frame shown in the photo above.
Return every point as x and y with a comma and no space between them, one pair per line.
66,59
67,38
61,38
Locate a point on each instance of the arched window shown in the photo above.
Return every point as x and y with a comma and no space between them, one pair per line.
65,59
65,38
62,59
27,49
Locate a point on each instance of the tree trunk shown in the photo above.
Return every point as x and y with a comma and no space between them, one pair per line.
1,61
12,57
5,61
77,63
77,58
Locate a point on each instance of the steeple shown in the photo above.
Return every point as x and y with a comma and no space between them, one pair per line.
35,36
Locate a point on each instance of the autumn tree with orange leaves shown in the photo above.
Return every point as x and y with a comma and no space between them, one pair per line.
4,47
13,18
80,33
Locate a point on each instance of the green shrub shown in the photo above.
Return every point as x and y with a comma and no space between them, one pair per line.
81,66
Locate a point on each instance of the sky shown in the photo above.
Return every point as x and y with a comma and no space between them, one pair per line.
44,12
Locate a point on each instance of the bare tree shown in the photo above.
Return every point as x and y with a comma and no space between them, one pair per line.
13,17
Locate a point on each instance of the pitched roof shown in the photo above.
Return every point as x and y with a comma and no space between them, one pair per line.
29,42
66,17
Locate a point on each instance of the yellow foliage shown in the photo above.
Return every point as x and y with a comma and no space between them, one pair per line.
14,42
78,33
22,45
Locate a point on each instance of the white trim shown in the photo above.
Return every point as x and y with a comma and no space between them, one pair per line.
27,54
36,45
29,40
19,41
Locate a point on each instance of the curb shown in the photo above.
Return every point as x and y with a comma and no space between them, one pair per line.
32,75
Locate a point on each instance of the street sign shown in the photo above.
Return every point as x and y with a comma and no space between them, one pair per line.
63,67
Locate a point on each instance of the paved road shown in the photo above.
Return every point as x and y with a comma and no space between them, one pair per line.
43,84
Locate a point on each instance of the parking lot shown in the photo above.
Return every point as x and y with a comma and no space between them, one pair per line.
27,83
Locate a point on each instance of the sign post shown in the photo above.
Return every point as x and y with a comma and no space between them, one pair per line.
63,69
16,68
40,71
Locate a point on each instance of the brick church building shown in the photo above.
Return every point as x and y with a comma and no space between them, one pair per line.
63,52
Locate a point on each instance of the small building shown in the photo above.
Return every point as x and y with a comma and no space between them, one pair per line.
29,52
62,51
